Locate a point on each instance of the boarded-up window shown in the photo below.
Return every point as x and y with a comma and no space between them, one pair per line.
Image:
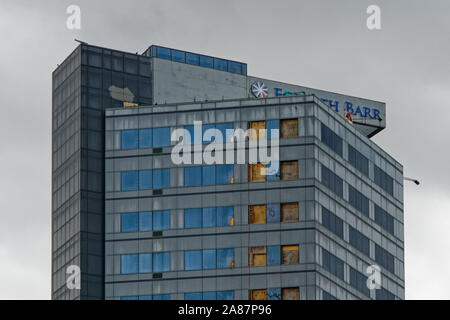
290,294
256,133
289,254
257,256
289,128
260,294
289,170
257,172
289,212
257,214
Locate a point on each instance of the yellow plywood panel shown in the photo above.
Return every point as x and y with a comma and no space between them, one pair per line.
289,128
255,131
289,212
129,104
257,172
259,259
290,294
257,214
289,170
258,294
289,254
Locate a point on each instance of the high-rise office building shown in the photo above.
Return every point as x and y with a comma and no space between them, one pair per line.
140,226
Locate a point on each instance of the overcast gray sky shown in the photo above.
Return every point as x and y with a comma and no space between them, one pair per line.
320,44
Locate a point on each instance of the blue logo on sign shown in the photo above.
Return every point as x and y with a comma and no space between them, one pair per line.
260,90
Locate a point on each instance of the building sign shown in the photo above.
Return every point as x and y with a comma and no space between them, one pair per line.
260,90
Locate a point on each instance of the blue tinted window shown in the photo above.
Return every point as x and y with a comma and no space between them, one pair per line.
161,261
178,56
332,264
145,262
225,295
209,259
244,69
192,218
224,216
274,294
161,297
234,67
331,139
359,281
273,212
358,200
193,260
129,139
384,219
188,139
225,257
129,263
161,178
332,181
129,180
224,173
358,160
211,295
384,258
193,296
208,175
383,294
146,297
161,220
273,125
222,127
206,127
273,255
332,222
273,171
358,240
129,222
192,58
161,137
209,217
145,138
206,61
145,179
328,296
384,180
192,176
129,298
220,64
145,221
163,53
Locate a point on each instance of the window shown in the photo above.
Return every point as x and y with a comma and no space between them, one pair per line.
209,217
384,258
224,174
332,181
145,138
129,139
225,295
225,216
234,67
273,255
208,175
332,222
257,214
193,296
273,125
209,259
327,296
260,294
359,241
192,176
289,254
274,294
211,295
383,180
178,56
161,261
145,221
273,212
129,180
358,160
193,218
161,137
163,53
384,219
161,178
161,220
331,139
220,64
332,264
289,212
359,281
192,58
145,179
289,170
225,258
257,172
383,294
145,262
289,128
161,297
129,222
290,294
256,130
257,256
206,61
129,263
193,260
358,200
